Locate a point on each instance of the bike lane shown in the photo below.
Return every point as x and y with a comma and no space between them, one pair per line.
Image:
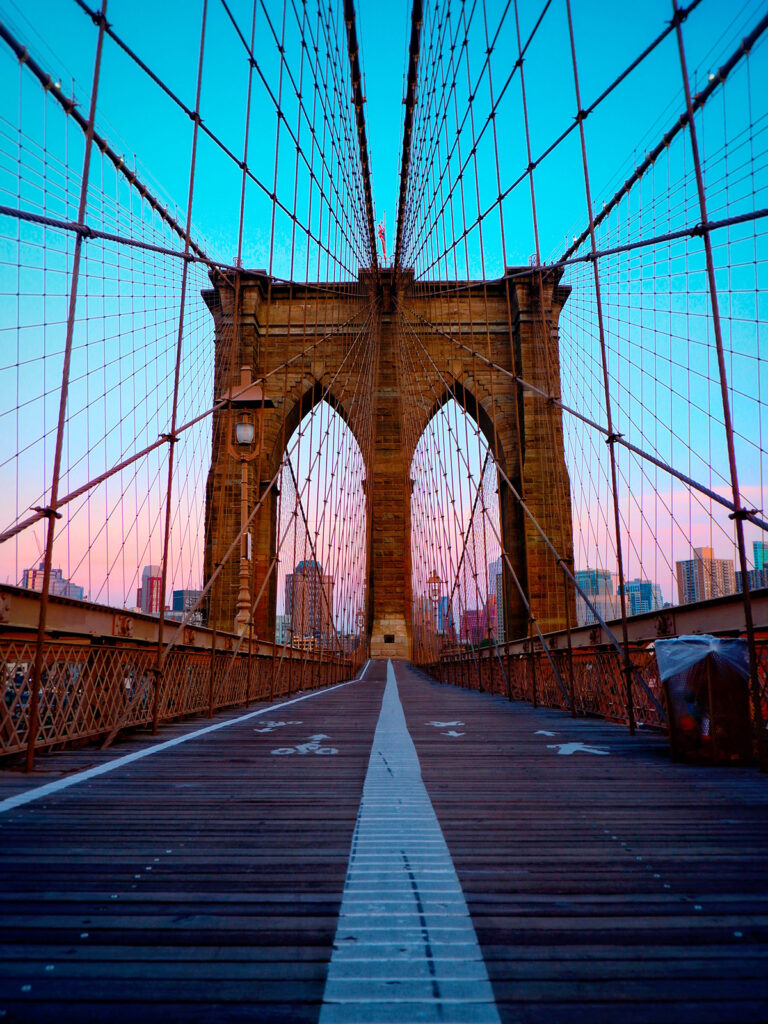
200,882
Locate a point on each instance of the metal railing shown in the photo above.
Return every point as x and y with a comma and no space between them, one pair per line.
91,688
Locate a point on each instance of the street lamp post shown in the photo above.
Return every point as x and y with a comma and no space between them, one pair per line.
246,402
360,620
434,592
434,587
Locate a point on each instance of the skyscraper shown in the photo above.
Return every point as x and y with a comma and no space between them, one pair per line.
598,585
500,606
494,568
704,576
760,552
182,602
32,579
148,596
643,596
309,602
445,624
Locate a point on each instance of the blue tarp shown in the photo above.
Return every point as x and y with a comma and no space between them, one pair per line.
678,655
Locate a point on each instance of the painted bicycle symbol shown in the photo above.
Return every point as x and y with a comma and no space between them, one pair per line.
312,746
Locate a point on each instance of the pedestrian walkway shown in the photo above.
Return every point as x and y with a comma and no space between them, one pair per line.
384,850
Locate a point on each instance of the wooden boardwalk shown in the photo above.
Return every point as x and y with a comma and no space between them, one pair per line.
203,883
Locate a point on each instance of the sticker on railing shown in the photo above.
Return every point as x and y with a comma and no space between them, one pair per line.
312,746
573,748
271,726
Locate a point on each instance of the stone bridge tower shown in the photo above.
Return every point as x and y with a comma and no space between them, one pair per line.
514,323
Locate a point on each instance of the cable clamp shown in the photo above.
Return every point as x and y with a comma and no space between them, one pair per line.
48,511
84,231
613,438
170,438
99,19
742,514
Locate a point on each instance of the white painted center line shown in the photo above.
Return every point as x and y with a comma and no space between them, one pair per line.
405,947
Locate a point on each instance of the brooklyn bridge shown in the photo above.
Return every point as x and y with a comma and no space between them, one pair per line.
384,615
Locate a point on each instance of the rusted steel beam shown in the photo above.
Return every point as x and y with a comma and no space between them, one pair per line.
410,104
358,100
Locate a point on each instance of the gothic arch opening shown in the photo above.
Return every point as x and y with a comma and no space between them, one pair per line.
458,570
321,536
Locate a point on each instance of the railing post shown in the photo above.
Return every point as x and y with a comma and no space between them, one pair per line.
571,688
212,674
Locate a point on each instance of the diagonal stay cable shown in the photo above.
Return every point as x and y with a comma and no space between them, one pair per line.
553,400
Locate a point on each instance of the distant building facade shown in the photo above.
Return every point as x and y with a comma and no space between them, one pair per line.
445,623
704,576
599,586
491,618
309,603
184,601
496,593
32,579
149,597
760,552
474,626
757,578
642,596
283,630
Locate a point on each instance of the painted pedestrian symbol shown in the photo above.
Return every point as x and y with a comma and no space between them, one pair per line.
312,746
270,726
572,748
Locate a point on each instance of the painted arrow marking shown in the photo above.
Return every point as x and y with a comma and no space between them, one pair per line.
312,746
544,732
443,725
572,748
452,733
269,726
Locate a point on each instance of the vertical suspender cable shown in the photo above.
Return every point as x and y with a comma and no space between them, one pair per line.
51,514
739,513
171,437
606,383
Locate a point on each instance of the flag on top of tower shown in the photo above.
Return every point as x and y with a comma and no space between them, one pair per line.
383,236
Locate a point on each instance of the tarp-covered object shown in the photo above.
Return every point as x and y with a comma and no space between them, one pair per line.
680,653
705,683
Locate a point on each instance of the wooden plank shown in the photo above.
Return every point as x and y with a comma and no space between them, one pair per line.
583,873
603,887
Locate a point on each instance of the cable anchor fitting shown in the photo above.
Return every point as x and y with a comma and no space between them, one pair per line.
742,514
613,438
48,511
